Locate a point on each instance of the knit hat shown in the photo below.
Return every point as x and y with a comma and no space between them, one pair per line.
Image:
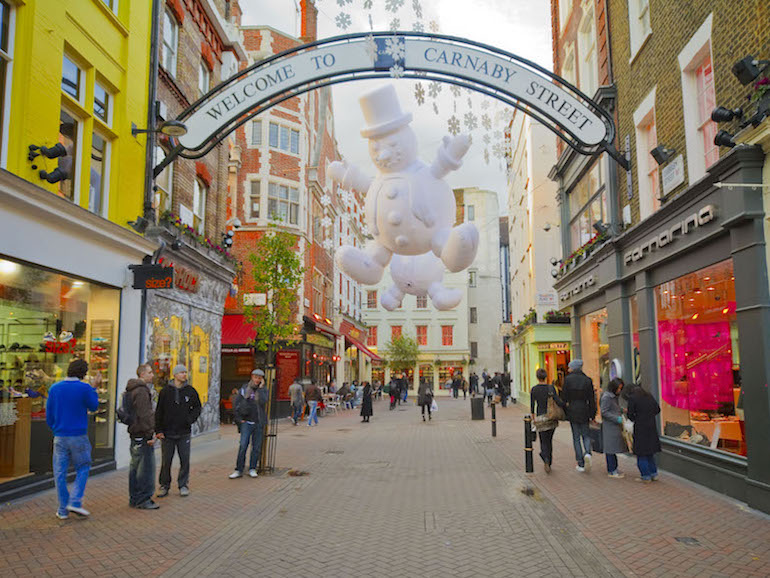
575,365
179,369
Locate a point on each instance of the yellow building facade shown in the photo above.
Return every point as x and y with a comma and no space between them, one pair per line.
79,77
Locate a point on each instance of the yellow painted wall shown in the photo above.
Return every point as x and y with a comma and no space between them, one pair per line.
111,47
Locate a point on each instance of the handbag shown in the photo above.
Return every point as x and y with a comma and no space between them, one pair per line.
554,411
595,433
628,433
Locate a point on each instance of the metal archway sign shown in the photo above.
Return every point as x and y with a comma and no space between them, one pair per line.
524,85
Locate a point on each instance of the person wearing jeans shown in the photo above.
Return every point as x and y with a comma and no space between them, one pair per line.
612,427
580,401
250,433
251,416
69,402
141,472
313,396
297,395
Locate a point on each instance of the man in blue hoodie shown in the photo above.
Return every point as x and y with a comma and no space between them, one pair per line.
66,413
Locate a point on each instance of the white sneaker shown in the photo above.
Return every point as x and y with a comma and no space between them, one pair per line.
616,475
235,474
587,459
580,468
79,511
253,473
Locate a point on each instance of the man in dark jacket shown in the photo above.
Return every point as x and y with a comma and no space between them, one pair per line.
456,384
141,472
395,391
474,383
251,415
580,400
178,408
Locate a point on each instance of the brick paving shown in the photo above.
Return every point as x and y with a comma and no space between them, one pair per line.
395,497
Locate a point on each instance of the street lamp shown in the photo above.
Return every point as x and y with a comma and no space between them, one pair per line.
172,128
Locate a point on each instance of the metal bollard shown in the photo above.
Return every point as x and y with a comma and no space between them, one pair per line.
528,463
494,421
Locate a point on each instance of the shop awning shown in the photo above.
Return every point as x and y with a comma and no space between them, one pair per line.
320,324
236,330
354,336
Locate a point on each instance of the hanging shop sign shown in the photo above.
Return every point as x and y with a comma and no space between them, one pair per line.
672,175
578,288
684,227
152,276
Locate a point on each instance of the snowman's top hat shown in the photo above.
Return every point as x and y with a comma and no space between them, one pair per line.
382,112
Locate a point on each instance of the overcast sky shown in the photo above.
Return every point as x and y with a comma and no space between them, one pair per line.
518,26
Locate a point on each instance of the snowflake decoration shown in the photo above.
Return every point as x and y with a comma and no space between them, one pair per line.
486,156
419,94
455,90
370,45
434,88
453,125
418,27
395,24
486,139
435,108
326,222
396,71
365,231
417,7
328,244
433,26
484,104
470,102
393,5
395,47
343,20
371,24
326,200
342,3
486,122
498,150
368,5
470,121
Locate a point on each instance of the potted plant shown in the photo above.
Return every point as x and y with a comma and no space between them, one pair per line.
761,94
555,316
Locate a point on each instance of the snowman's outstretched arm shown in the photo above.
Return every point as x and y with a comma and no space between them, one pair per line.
349,177
450,155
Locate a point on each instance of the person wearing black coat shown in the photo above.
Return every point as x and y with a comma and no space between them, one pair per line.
642,409
366,403
395,391
579,397
538,399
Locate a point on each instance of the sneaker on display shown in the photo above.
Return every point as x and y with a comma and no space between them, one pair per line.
49,337
235,474
253,473
65,336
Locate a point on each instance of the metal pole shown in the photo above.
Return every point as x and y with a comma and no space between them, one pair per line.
494,421
528,464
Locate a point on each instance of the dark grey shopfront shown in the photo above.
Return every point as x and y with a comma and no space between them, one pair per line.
661,305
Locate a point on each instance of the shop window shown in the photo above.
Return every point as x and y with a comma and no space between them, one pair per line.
596,350
445,373
588,204
422,302
474,315
371,299
111,4
422,334
163,183
471,278
283,203
638,24
700,382
371,337
395,331
447,335
284,138
46,321
254,199
168,53
102,100
99,175
69,136
200,192
6,62
199,362
204,78
71,78
256,133
589,69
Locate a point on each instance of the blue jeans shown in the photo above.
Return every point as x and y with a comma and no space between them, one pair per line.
580,432
313,405
647,467
612,463
250,432
74,450
406,393
297,412
141,472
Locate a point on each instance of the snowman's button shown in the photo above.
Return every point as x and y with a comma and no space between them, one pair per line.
392,192
394,218
401,241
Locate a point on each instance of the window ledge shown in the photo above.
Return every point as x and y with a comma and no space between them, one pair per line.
112,17
642,44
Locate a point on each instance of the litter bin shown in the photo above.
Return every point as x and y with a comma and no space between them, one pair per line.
477,408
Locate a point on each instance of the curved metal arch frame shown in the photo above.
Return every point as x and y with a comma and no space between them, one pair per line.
414,73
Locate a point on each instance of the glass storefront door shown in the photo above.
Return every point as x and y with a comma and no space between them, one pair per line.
47,320
595,348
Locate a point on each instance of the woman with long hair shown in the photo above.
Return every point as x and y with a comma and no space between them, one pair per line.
612,427
425,398
366,402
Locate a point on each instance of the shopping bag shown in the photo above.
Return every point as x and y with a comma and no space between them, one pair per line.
595,433
433,406
628,433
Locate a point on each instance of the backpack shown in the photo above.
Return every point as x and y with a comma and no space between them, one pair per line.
125,412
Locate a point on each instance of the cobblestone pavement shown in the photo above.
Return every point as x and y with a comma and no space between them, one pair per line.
395,497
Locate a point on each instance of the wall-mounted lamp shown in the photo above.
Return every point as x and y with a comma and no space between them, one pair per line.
173,128
547,227
601,228
661,154
724,114
724,139
227,238
748,68
554,260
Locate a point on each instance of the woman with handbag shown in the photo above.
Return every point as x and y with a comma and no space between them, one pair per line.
642,410
425,398
547,409
612,427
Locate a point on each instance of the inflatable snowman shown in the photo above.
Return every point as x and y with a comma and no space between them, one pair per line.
410,210
419,275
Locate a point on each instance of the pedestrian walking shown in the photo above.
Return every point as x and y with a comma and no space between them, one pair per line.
581,409
642,409
425,398
488,386
313,396
178,408
473,384
404,388
544,424
141,431
66,413
456,384
297,395
506,377
366,402
250,413
395,391
464,385
612,427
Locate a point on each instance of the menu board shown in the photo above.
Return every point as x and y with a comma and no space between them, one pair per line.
287,366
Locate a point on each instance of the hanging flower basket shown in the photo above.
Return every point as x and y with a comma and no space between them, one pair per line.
583,252
555,316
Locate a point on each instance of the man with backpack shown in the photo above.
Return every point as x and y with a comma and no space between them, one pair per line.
137,413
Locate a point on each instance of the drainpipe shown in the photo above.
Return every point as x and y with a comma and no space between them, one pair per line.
149,160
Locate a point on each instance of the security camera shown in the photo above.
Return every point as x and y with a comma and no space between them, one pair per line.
547,227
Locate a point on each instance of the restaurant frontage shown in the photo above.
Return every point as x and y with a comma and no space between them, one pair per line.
658,305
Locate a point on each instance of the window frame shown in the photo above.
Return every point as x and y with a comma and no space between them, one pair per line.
252,131
706,127
78,159
200,197
108,104
647,169
371,336
105,176
470,213
371,298
639,26
167,15
473,275
600,194
473,315
447,335
281,130
422,302
80,82
7,83
274,185
204,73
163,204
396,331
587,51
250,195
421,332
